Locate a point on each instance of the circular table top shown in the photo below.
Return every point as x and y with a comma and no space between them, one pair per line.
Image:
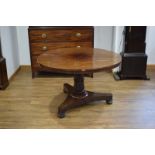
79,60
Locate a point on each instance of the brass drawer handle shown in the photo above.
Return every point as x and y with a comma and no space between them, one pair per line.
78,46
78,34
44,35
44,48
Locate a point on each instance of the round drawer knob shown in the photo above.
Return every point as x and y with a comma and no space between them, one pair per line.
44,48
78,34
78,46
44,35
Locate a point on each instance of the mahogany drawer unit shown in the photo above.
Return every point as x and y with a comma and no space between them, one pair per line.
45,38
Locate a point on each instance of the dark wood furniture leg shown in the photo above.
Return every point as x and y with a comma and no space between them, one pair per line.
78,96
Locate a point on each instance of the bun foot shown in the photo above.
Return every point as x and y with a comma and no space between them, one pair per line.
61,114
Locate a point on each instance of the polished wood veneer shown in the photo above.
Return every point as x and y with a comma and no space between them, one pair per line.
79,61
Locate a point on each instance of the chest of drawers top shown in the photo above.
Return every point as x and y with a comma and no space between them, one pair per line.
60,34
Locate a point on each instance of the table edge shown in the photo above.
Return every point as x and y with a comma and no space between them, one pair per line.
78,71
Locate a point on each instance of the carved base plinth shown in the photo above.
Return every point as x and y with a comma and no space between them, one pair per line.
78,96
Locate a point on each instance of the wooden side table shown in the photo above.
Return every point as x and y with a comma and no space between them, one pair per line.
79,61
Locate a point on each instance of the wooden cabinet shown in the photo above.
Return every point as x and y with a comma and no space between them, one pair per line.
45,38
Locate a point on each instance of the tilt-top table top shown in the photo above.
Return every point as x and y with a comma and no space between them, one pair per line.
79,60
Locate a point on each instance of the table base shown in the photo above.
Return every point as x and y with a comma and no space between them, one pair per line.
78,96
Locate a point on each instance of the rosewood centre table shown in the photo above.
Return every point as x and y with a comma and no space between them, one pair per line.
78,62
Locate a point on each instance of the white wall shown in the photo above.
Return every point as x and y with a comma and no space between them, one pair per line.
103,37
23,44
150,44
118,39
10,48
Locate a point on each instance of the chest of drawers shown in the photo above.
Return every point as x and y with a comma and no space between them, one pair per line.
44,38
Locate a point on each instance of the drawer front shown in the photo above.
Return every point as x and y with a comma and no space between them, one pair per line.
61,35
39,48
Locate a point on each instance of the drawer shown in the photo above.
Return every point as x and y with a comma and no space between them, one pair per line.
85,35
38,48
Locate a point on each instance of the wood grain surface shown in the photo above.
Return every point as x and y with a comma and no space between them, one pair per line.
79,60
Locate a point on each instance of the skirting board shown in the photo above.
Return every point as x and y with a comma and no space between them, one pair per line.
23,67
151,66
15,73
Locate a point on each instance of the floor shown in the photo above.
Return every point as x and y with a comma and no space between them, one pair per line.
33,103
